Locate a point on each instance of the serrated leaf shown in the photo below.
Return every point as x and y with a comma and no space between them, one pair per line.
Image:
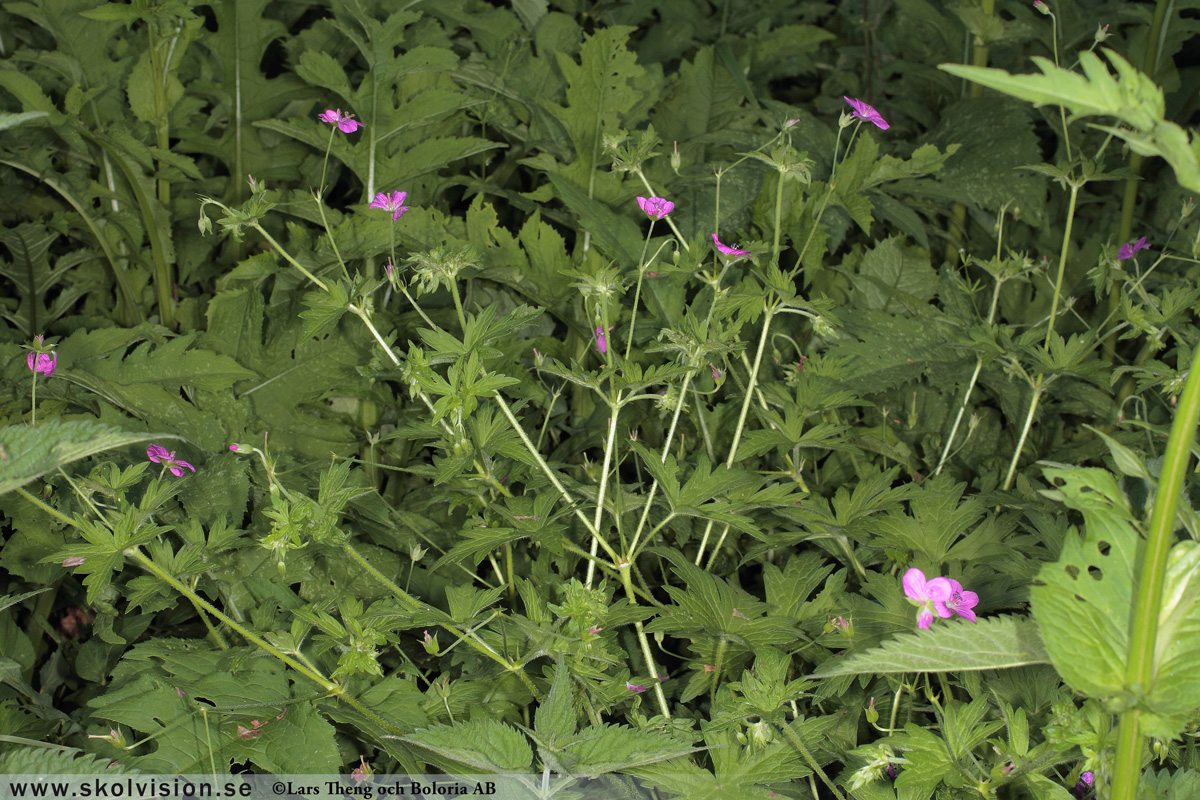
485,745
31,452
952,646
555,719
1082,601
323,309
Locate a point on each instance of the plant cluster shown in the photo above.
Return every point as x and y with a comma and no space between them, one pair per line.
588,389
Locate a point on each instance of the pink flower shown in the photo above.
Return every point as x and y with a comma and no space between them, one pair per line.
44,363
160,455
73,561
633,687
1040,6
729,251
1129,248
928,596
393,202
345,122
866,113
655,207
601,340
960,602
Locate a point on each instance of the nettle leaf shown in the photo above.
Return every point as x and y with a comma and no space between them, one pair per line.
891,350
484,745
1085,603
27,453
891,274
949,646
1132,97
555,719
611,748
1084,599
996,137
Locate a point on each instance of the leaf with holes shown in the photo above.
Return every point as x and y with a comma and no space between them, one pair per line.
1083,603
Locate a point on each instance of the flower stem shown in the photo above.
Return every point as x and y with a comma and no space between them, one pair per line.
1038,388
808,757
1141,666
148,564
640,629
288,256
741,423
1062,264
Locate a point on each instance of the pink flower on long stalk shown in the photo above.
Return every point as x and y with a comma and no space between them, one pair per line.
160,455
601,340
729,251
44,363
867,113
928,596
346,122
1130,248
393,203
655,207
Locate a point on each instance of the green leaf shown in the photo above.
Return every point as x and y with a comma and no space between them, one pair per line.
484,745
951,646
1131,97
27,453
993,137
10,120
613,748
323,309
890,270
555,720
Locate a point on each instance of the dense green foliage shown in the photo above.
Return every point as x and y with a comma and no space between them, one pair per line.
526,479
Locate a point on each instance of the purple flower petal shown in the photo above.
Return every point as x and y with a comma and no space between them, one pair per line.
867,113
729,251
655,207
393,202
156,453
345,122
1129,249
45,363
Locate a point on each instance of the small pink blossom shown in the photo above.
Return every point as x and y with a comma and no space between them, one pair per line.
867,113
655,207
345,122
716,373
960,602
633,687
393,203
362,771
729,251
160,455
602,340
73,561
594,631
44,363
928,596
1129,248
1040,6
